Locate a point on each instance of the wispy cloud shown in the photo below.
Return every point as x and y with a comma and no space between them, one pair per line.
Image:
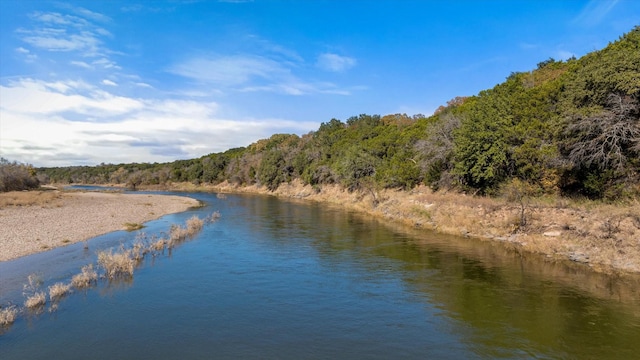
53,31
229,70
594,12
81,64
335,62
28,56
252,73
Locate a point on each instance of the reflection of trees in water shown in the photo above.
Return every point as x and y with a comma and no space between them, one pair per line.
500,291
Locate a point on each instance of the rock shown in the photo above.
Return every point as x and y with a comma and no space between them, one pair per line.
577,257
552,233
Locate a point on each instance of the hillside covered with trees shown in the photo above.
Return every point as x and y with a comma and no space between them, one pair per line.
570,128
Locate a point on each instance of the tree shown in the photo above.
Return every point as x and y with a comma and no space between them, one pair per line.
608,139
437,150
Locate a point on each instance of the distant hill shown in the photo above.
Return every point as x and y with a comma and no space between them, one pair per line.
567,127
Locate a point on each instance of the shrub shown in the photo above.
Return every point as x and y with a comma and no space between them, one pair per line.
120,264
176,234
58,290
8,315
86,278
194,225
36,300
158,245
214,217
31,291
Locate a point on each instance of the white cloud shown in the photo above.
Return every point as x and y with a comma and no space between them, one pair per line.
109,82
335,62
28,56
38,97
106,64
144,85
70,123
81,64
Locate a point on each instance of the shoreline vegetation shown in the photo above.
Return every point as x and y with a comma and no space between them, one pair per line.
605,237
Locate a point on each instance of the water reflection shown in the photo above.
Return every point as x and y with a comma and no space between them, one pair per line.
511,300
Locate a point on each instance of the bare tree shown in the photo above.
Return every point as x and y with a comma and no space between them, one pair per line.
436,151
609,138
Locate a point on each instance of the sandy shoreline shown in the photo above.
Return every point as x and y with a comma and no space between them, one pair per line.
68,218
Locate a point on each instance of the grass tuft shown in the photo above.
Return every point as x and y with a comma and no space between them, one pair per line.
117,265
194,225
158,245
58,290
213,217
86,278
36,300
8,315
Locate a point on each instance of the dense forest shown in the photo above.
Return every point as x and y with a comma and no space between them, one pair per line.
570,128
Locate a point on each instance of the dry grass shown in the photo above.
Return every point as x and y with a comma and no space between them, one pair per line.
194,225
85,278
8,315
118,264
36,300
215,216
31,290
58,290
179,234
158,245
30,198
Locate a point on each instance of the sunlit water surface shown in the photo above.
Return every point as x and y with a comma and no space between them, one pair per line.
281,280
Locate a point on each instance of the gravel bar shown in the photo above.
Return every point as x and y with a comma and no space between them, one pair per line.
78,216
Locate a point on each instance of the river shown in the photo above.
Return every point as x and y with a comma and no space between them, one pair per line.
274,279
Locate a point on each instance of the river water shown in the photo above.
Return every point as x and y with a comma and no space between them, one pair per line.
274,279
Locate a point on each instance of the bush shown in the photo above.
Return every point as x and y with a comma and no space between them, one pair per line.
16,177
58,290
117,265
86,278
8,315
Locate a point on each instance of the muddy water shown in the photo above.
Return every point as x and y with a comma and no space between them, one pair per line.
276,279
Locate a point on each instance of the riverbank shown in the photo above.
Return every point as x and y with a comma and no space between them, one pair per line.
605,237
37,221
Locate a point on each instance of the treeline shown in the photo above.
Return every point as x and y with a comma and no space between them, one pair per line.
567,127
15,176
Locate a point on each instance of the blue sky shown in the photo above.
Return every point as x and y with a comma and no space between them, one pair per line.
86,82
